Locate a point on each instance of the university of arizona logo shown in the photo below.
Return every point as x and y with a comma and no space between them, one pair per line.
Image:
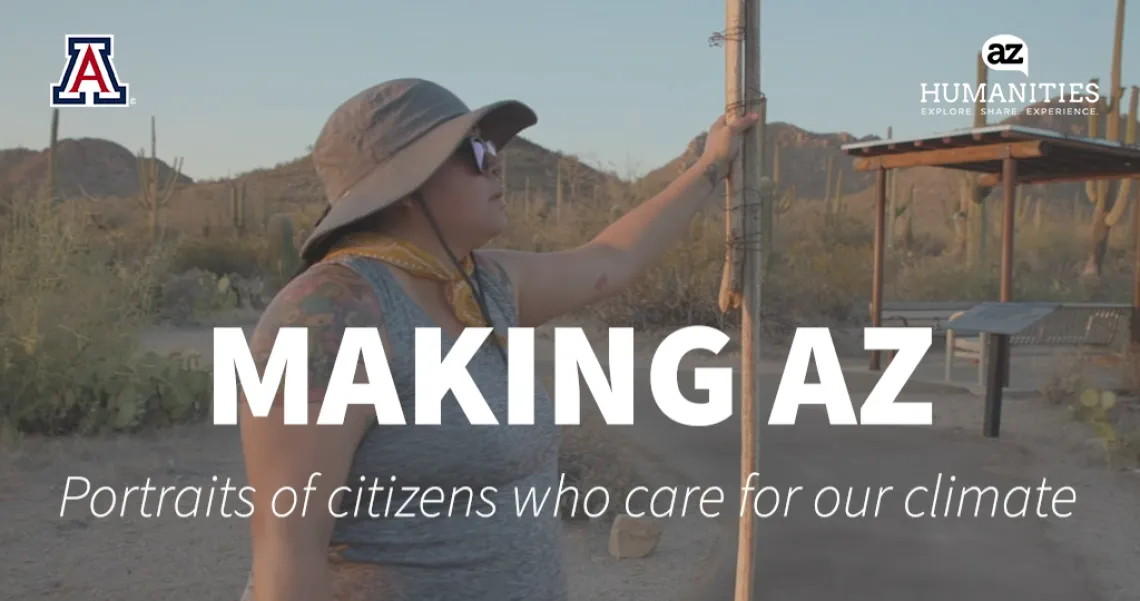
89,77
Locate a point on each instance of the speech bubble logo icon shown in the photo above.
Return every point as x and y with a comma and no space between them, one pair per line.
1006,52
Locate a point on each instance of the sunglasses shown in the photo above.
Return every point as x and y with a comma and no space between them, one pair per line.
481,151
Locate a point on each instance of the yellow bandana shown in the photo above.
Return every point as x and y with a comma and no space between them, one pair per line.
420,264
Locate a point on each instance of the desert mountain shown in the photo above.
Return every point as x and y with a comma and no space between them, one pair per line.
529,167
89,167
101,168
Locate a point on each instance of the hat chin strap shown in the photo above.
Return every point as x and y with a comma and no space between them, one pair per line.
477,290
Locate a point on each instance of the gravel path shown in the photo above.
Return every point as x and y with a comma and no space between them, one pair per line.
124,559
1105,531
1038,440
78,557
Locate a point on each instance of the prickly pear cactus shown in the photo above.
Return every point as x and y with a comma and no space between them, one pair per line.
282,251
1095,407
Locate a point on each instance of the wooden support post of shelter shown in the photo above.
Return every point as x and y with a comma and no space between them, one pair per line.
1002,154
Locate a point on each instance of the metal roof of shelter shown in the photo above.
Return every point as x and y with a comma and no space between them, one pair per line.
1043,156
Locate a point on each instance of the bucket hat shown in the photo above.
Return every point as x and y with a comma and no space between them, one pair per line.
386,141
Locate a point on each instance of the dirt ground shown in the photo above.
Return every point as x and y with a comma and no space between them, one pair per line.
1040,440
75,556
62,552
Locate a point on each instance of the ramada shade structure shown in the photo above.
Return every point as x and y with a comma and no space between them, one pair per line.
1002,154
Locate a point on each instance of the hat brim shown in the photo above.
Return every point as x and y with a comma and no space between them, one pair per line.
405,172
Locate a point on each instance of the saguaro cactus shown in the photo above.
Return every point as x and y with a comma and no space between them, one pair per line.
238,214
908,219
1029,212
898,209
1109,198
49,192
828,179
282,251
892,194
834,193
973,237
153,195
558,191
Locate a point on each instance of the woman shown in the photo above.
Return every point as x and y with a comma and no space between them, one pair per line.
413,184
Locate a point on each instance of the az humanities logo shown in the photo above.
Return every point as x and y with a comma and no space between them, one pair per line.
89,77
1007,52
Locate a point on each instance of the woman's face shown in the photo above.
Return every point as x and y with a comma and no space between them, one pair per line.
465,195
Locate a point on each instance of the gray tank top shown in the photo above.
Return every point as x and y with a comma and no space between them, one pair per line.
492,556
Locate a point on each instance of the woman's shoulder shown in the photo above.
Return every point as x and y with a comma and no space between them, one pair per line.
330,296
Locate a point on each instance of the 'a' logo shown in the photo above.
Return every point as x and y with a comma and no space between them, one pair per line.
89,77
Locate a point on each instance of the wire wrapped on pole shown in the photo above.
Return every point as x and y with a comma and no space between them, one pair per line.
731,284
749,196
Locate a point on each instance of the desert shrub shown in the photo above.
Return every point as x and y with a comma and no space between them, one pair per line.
265,254
1114,421
221,255
197,296
68,331
821,265
1112,412
822,268
681,289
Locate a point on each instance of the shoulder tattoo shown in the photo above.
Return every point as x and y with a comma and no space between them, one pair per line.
325,299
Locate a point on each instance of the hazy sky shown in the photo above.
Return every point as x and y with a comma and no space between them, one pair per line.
627,83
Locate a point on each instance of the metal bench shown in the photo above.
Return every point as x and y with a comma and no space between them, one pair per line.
922,314
972,348
917,314
1075,325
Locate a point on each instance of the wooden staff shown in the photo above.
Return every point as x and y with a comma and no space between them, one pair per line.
743,30
730,284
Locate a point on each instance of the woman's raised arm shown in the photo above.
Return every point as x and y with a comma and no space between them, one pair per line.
556,283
